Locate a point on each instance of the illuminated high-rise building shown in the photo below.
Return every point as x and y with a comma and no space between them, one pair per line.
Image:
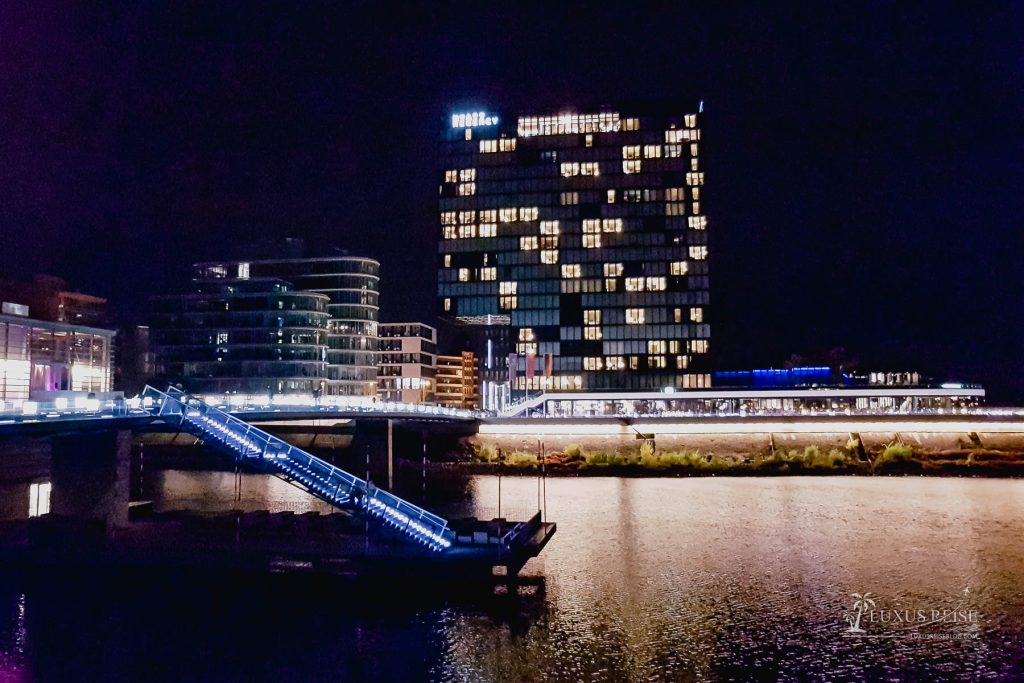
577,240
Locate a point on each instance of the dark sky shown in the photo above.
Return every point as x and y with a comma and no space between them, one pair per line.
864,164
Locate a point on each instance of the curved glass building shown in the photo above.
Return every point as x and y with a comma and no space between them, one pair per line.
242,335
351,285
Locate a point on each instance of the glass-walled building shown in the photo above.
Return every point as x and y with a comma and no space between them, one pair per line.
352,287
246,336
37,357
580,235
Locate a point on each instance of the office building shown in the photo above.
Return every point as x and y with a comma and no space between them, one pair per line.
248,335
39,357
48,298
457,381
351,285
579,234
408,362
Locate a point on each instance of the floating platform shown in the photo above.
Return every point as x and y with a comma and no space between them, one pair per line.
337,544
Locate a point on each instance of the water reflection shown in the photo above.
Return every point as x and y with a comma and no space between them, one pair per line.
647,579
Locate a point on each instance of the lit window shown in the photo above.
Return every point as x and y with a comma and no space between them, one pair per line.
488,216
614,363
466,217
549,242
488,230
528,243
508,288
526,347
469,134
549,255
696,193
697,314
611,196
611,225
697,345
463,274
631,166
590,168
466,189
696,207
508,302
467,231
570,198
673,151
693,149
656,284
634,362
591,241
487,146
447,304
570,168
693,179
447,260
675,209
571,270
508,215
467,175
634,316
451,176
652,151
634,284
656,346
677,315
675,194
656,362
679,267
612,269
489,273
698,222
592,316
507,144
447,218
682,362
691,120
528,213
39,498
610,284
450,232
698,253
592,333
591,226
589,140
549,227
592,363
673,135
631,124
631,152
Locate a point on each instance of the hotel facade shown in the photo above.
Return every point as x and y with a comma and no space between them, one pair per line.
573,248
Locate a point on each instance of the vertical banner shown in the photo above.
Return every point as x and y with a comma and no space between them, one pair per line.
513,367
531,365
549,364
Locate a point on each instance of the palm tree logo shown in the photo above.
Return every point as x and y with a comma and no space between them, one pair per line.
861,603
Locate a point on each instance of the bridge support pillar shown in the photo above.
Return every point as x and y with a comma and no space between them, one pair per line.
90,474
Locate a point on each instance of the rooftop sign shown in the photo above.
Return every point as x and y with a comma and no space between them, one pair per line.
472,119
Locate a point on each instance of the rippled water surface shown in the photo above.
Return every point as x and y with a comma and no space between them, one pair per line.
646,580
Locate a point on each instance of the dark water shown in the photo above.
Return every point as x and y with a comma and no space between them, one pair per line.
646,580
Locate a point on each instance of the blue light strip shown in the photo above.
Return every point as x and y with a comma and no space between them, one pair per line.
320,478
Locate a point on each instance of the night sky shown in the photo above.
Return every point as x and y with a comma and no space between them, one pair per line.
863,165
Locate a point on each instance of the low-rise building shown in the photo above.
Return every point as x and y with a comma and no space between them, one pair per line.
40,357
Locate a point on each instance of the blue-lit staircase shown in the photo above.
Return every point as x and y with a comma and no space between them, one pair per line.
253,446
